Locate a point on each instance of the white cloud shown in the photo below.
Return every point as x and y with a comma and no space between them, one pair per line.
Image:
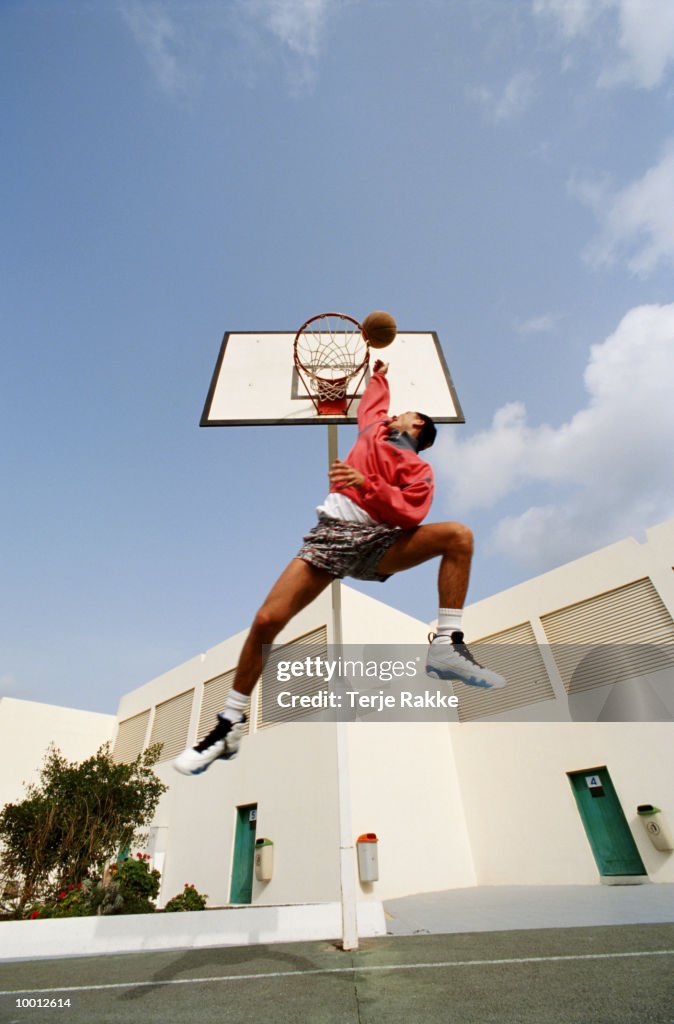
642,31
163,44
637,222
647,41
512,101
515,98
299,26
9,684
605,473
543,324
574,17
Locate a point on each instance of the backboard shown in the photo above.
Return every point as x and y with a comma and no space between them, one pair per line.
255,382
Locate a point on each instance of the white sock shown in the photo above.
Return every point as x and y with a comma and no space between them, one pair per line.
449,621
235,706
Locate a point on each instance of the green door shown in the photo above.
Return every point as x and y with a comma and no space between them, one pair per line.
607,829
241,890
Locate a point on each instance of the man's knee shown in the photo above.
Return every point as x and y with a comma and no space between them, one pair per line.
459,538
269,621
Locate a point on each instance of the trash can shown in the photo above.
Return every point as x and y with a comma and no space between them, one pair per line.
264,859
656,827
368,860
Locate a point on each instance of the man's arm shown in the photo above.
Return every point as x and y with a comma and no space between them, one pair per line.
405,507
376,397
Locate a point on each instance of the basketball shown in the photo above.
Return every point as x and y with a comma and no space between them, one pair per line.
379,329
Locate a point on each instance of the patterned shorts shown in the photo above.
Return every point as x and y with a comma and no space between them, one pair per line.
348,549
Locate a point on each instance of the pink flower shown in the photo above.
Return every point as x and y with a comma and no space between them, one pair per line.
36,913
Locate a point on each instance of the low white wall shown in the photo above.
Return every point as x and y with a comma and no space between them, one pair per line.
92,936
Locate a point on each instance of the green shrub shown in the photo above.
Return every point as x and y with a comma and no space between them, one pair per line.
72,821
138,884
188,899
81,900
131,889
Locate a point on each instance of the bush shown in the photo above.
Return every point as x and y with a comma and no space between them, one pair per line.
70,902
138,884
73,821
188,899
131,889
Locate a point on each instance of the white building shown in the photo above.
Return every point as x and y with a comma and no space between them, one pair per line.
535,784
27,728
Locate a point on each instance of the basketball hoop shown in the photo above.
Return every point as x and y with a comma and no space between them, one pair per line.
329,354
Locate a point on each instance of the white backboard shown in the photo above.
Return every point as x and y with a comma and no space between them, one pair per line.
255,382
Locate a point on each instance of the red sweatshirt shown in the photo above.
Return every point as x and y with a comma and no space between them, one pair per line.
398,488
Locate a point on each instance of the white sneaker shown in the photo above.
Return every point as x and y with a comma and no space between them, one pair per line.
449,658
223,741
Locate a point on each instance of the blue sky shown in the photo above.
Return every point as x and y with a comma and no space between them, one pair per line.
500,172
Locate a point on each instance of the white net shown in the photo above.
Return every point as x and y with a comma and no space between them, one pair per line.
329,353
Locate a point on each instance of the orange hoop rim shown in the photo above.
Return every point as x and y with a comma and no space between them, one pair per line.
329,394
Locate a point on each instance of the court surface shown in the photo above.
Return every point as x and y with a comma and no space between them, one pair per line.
620,974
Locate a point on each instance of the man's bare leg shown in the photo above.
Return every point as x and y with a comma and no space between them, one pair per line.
448,657
453,542
297,586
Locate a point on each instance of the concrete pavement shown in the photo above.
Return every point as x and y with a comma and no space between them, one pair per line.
597,975
605,955
507,907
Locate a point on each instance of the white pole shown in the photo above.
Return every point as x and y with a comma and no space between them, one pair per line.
347,855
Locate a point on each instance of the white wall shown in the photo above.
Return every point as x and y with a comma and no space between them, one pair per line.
28,728
453,804
289,772
596,573
522,816
369,621
405,788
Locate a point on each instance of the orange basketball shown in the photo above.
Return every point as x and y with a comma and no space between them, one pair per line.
379,329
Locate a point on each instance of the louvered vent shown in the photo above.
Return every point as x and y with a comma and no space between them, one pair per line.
515,654
213,700
171,724
311,645
131,737
620,619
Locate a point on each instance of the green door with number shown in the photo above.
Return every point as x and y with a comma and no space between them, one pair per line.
241,890
608,831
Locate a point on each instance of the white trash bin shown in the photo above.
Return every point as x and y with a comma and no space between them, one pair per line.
368,859
656,827
264,860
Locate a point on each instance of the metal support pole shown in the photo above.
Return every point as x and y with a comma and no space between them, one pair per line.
347,854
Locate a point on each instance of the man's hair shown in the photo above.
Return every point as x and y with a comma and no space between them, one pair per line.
427,433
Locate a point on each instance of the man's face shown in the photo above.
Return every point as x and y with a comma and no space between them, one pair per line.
405,422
